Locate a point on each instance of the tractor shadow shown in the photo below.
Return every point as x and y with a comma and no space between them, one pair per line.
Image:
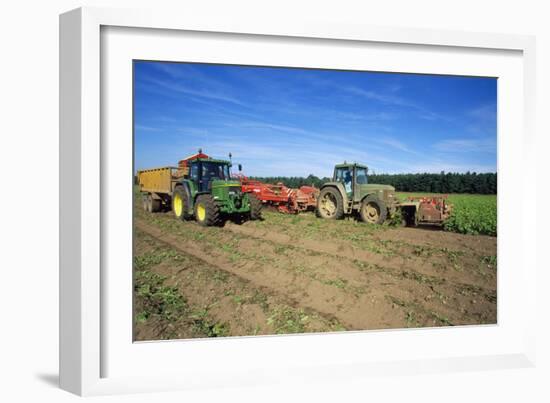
238,219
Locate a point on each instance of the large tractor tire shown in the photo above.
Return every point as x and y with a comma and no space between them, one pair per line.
255,207
180,203
330,204
207,212
373,210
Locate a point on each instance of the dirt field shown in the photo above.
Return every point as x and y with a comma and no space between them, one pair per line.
295,274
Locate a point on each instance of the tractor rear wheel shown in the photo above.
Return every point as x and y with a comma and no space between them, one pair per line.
207,212
330,204
373,210
255,207
180,203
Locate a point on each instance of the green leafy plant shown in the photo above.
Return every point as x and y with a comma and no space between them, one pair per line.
288,320
156,299
473,215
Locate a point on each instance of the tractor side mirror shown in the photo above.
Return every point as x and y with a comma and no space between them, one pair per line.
240,167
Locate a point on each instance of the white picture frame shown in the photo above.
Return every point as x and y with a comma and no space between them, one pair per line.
87,309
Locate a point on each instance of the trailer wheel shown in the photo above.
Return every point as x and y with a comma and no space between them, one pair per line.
149,207
373,210
155,205
207,212
145,202
255,207
180,203
330,204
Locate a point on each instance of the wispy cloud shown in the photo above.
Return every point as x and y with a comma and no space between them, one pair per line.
482,119
398,145
172,86
147,128
275,129
485,112
380,97
193,131
464,145
183,72
387,98
186,79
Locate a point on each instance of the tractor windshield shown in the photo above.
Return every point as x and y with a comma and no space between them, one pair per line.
361,176
343,175
215,170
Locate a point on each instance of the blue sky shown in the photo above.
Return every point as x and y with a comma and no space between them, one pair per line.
296,122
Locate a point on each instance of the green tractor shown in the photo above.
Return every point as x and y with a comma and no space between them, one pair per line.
349,192
201,188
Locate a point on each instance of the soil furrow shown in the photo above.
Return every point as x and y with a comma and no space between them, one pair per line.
341,250
217,261
215,302
351,292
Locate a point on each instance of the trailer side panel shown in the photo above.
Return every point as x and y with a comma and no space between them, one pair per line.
157,180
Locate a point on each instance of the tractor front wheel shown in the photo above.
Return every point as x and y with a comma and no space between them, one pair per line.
373,210
330,204
255,207
207,212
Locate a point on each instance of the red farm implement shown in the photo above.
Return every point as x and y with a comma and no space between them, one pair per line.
432,210
285,199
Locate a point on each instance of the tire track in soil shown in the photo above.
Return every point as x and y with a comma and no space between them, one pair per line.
448,296
422,236
372,311
215,262
347,251
220,297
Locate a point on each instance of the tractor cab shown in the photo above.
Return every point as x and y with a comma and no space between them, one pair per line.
204,171
350,175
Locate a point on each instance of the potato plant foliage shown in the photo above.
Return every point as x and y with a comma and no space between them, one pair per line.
473,214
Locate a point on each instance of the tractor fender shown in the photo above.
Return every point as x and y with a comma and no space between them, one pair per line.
342,190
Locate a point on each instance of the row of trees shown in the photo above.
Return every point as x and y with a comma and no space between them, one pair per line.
469,182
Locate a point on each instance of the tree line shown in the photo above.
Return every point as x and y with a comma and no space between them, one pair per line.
469,182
